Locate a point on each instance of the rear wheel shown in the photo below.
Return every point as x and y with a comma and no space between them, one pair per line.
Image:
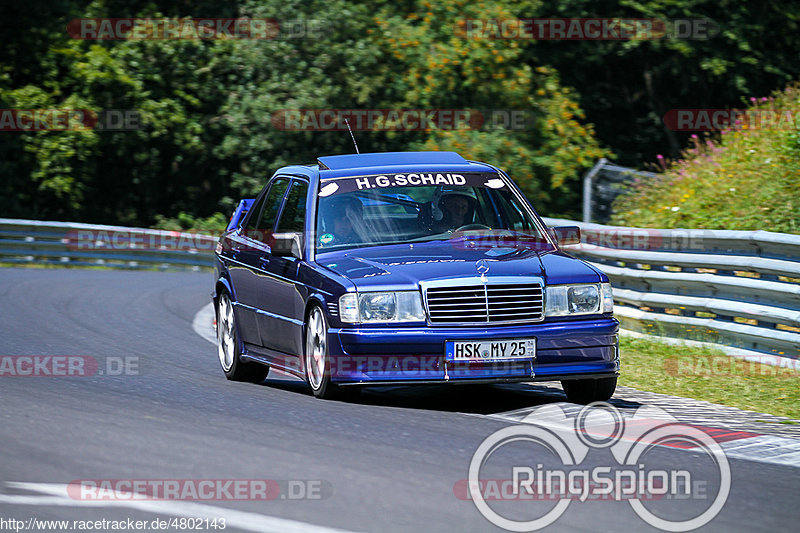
589,390
228,348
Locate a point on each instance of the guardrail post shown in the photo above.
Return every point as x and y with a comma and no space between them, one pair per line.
587,188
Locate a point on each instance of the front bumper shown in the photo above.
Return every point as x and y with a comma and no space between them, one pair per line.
566,349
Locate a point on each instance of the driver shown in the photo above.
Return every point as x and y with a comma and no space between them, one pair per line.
344,220
451,208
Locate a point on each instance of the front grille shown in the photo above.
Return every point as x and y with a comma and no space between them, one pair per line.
485,302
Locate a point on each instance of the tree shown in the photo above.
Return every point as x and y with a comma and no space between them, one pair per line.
438,64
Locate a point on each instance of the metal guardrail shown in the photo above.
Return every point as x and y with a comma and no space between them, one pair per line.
73,244
738,288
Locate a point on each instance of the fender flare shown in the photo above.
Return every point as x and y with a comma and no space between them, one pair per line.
226,283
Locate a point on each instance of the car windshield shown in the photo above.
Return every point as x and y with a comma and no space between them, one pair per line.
406,208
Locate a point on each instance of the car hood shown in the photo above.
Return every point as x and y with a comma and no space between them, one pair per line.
401,267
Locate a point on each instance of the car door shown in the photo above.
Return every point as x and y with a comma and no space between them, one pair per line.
281,324
249,250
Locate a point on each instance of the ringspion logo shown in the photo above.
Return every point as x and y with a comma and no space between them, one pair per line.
561,446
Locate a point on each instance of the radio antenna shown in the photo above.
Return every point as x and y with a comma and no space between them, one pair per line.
351,135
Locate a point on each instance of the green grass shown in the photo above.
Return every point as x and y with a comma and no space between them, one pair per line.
743,178
708,374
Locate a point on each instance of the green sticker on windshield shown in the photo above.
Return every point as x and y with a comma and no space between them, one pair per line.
326,239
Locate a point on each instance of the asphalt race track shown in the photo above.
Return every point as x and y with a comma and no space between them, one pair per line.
386,461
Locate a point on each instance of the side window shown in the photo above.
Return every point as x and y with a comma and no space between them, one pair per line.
264,211
293,217
272,205
254,214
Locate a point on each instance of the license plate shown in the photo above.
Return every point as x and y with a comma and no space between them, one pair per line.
491,350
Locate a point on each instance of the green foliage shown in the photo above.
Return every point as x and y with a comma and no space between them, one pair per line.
117,176
738,180
265,77
626,87
436,67
213,224
207,138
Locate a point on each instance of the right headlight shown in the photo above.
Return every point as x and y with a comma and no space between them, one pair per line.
578,299
365,307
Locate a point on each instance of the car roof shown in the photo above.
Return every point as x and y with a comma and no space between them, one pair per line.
337,166
380,159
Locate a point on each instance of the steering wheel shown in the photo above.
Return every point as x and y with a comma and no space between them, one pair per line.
467,227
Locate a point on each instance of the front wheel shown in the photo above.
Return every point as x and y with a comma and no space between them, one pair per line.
228,348
317,357
586,391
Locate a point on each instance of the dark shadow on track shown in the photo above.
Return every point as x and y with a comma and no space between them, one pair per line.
462,398
474,399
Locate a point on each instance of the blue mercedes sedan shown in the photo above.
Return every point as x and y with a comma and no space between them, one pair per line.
408,268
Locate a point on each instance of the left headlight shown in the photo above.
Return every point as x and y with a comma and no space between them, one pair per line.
365,307
583,299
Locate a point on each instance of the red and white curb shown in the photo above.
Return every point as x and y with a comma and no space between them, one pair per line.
765,449
747,445
203,323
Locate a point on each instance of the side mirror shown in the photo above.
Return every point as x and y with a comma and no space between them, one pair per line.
565,235
287,244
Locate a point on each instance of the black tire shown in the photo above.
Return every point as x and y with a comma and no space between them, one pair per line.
585,391
229,349
316,345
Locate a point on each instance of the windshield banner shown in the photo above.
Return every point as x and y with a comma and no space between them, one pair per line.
332,186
